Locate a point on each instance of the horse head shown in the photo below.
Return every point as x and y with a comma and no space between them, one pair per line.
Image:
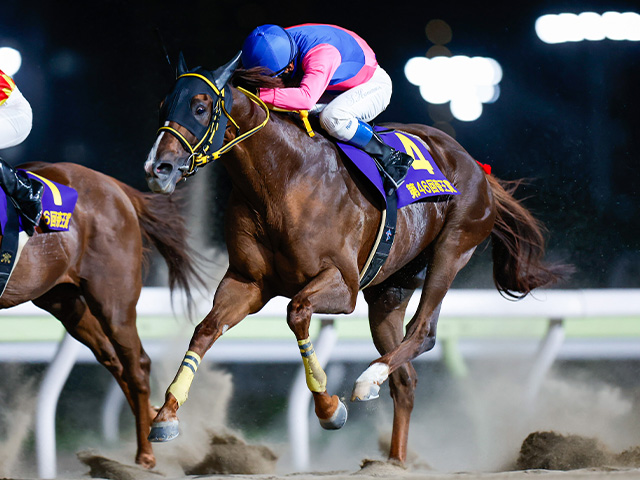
193,119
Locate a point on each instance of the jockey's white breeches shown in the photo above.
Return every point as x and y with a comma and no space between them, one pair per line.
365,102
15,120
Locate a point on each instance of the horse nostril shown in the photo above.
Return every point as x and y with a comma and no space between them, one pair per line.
164,169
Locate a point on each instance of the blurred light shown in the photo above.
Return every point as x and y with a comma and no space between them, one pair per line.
438,31
64,63
438,51
569,27
465,82
10,60
466,108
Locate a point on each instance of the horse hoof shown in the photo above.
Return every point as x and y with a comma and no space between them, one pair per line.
337,420
164,431
364,391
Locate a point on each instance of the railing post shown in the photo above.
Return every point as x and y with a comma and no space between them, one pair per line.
54,379
544,358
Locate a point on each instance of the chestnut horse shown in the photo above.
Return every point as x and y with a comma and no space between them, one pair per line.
300,225
90,276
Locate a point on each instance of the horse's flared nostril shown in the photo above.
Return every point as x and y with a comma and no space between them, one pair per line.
163,169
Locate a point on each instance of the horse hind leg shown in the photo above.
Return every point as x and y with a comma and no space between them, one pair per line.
451,252
327,293
67,305
118,322
387,306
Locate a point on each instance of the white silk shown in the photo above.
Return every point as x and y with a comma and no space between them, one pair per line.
16,119
364,102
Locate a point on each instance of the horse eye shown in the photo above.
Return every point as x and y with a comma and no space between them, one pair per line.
200,110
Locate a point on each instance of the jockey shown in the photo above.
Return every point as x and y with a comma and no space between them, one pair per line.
15,125
335,66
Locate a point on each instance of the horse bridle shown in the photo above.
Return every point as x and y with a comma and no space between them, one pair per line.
210,146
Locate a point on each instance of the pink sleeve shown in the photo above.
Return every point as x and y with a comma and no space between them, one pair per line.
319,65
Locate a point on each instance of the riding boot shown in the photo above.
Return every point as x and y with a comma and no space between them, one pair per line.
394,162
25,194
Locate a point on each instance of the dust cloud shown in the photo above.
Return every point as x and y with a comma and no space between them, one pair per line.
17,409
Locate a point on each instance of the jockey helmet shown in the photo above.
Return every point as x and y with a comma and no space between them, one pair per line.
269,46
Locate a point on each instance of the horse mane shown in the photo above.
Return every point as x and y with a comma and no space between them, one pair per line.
254,78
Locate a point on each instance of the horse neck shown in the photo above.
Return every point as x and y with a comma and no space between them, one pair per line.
258,165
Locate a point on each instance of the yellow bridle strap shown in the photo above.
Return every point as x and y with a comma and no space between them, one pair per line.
304,116
203,159
205,80
200,159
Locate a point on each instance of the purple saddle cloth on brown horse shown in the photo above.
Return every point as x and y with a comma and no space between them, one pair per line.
58,204
424,178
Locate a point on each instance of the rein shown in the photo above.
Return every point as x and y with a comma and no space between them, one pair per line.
198,158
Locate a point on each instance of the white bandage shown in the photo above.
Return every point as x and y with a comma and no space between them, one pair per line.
376,373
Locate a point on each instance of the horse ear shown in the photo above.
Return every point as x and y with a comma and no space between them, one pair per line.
223,74
182,65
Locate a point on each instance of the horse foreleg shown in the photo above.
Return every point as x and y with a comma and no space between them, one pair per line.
327,293
234,300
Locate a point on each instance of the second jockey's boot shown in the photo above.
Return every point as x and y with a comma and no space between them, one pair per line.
394,162
26,195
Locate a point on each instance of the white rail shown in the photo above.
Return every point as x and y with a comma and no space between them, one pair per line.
555,306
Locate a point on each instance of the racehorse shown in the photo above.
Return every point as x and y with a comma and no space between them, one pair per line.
90,277
300,225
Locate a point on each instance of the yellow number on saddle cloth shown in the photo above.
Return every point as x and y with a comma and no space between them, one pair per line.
420,162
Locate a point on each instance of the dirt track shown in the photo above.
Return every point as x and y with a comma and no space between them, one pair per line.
476,426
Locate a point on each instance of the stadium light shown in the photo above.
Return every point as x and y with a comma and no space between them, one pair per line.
590,26
466,82
10,60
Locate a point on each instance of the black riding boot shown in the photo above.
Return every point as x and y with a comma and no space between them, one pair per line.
25,194
394,162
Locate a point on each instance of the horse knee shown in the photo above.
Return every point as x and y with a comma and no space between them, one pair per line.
298,312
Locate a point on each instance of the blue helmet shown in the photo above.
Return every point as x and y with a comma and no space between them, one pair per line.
269,46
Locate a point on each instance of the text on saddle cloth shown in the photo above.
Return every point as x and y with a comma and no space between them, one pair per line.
58,203
424,178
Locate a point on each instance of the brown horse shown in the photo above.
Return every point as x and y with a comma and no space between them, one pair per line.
90,277
300,225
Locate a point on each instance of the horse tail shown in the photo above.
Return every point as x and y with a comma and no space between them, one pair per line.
162,226
518,245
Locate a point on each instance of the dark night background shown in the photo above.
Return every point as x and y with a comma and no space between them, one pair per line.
566,119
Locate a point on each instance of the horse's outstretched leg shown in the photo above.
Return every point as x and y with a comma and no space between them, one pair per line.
387,305
113,302
235,299
67,305
327,293
451,252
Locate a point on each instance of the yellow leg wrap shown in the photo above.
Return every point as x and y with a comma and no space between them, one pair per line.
316,378
179,388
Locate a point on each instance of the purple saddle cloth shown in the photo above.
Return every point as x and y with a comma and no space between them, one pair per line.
58,204
424,178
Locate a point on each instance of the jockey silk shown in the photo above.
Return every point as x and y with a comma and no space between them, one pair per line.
351,63
6,87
